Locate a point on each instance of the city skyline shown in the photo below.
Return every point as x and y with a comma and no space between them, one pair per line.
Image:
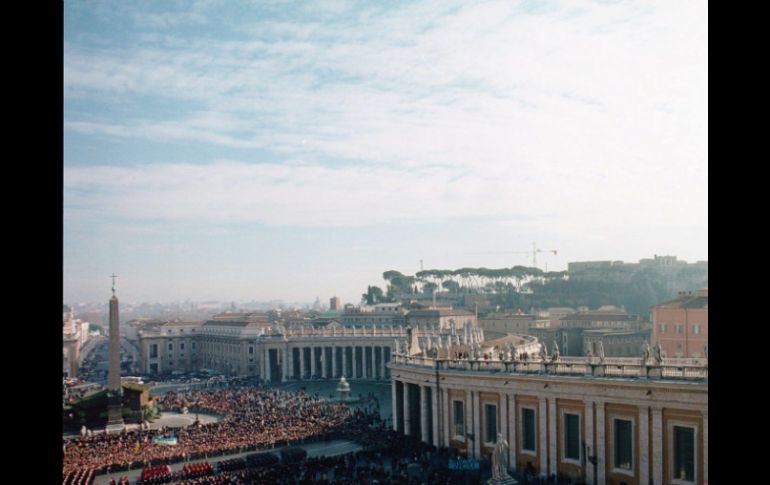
229,151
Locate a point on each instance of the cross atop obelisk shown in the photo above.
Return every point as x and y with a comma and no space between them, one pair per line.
113,276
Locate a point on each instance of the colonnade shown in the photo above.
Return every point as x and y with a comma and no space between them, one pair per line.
299,361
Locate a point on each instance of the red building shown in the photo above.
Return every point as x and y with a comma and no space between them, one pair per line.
681,326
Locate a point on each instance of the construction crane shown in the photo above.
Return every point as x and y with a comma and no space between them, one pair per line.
534,252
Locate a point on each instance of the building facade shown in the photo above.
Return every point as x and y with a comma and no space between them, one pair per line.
74,336
444,319
500,324
610,421
681,325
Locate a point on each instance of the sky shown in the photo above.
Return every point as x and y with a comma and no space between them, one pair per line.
251,151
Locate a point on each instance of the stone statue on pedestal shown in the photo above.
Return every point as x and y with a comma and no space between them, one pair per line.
500,474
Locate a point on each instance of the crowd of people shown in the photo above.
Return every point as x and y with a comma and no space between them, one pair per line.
251,417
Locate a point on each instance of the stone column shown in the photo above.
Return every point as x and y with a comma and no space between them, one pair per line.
334,362
268,367
382,362
552,417
477,438
657,445
469,438
600,442
285,354
590,444
436,415
394,399
705,447
374,363
503,398
542,435
446,406
407,419
301,363
356,374
312,361
323,362
513,420
290,353
644,445
345,364
424,437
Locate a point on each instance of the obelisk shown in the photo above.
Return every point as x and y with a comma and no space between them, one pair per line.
114,391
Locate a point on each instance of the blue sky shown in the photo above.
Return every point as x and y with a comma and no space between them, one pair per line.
286,150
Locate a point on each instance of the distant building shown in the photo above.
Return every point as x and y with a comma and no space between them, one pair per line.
74,336
335,304
500,324
442,318
625,334
681,325
380,314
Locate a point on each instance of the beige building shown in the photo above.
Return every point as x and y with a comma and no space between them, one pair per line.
74,337
441,318
503,323
616,421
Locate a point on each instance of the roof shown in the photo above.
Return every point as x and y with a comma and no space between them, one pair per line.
516,316
439,312
508,339
235,323
183,323
600,316
686,301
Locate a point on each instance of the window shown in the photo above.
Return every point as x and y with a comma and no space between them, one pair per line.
170,346
459,419
181,346
528,429
662,327
490,423
623,444
251,350
193,345
696,329
154,351
684,453
678,328
571,436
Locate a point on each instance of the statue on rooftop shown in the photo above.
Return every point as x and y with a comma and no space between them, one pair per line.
555,351
658,354
645,353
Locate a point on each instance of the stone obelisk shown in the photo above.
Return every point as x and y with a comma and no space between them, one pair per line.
114,391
